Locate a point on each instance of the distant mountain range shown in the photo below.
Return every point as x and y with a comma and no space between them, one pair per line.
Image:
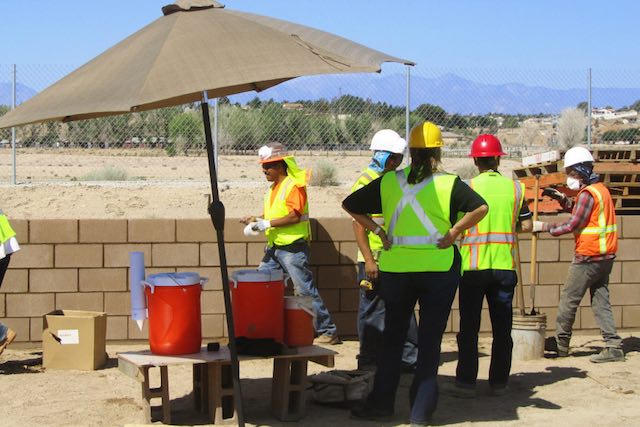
451,92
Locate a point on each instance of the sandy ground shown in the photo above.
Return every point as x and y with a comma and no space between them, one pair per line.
571,392
51,185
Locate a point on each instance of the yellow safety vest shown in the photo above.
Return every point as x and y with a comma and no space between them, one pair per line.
490,244
288,234
416,217
375,244
6,232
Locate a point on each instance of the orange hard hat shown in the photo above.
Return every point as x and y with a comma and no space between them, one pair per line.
486,145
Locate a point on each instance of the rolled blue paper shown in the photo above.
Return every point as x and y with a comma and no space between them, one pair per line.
136,276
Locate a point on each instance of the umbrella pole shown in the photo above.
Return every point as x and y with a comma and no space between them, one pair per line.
216,211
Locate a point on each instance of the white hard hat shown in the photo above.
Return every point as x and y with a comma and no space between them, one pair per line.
388,140
576,155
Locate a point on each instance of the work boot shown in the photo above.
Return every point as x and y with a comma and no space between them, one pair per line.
328,339
8,339
608,354
551,344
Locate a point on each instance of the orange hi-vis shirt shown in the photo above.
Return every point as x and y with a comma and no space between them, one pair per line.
296,200
600,236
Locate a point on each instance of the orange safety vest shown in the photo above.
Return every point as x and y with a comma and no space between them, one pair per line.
600,236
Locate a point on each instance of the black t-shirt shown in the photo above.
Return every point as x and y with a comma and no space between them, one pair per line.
367,199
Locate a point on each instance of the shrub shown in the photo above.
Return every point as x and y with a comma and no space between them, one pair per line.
467,171
107,173
324,174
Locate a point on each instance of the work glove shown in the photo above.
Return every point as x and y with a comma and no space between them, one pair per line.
262,225
250,231
537,226
553,193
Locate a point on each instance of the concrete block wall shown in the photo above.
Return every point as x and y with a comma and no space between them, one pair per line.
83,265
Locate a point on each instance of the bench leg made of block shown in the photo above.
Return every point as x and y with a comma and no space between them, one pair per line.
213,392
162,392
289,389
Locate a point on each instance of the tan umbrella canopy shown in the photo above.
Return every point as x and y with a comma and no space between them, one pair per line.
197,46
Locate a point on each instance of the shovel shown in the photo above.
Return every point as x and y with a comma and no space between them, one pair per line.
534,250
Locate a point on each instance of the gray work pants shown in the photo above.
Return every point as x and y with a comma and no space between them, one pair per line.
592,276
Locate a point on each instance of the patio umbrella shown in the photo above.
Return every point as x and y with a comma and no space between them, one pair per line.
196,51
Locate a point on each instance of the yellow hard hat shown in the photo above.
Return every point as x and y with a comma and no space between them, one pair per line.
425,135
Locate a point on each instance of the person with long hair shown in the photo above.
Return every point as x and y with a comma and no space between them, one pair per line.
8,245
425,211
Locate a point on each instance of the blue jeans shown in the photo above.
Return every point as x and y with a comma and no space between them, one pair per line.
295,262
592,276
434,291
4,264
497,286
371,326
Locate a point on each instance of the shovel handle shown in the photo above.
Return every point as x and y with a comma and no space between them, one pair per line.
533,268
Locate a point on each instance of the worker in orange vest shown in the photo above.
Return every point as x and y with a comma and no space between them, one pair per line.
593,223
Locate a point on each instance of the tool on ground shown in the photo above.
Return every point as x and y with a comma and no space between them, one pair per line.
534,249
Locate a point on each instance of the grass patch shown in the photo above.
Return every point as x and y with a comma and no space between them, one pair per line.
325,174
107,173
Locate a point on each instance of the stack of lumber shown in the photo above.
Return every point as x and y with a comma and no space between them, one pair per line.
617,166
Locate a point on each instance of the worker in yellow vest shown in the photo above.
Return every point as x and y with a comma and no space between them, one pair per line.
286,225
8,246
489,269
593,223
419,264
388,150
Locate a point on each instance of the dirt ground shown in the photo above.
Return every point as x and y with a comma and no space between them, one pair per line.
569,391
51,186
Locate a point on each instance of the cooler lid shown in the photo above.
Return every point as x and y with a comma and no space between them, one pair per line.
174,279
256,276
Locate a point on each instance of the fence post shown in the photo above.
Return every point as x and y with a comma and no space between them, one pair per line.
13,130
407,112
589,109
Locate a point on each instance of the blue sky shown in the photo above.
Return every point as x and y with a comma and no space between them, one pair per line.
440,34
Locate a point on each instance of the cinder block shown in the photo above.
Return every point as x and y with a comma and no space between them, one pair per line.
195,230
553,273
349,299
234,232
628,250
118,255
324,253
53,231
626,294
214,276
103,231
212,302
117,303
630,227
548,250
526,275
29,305
588,320
2,300
616,273
333,277
33,256
88,301
174,254
20,325
117,327
334,229
255,253
15,281
36,328
103,279
348,252
346,324
631,316
54,280
630,271
331,299
213,326
85,255
21,227
135,333
546,296
152,230
567,250
236,254
552,313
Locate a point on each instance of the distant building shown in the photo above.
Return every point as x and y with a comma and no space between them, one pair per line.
611,114
292,106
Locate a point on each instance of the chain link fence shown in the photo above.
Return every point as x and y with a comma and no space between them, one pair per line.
530,110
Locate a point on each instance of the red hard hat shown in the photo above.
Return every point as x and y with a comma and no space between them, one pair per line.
486,145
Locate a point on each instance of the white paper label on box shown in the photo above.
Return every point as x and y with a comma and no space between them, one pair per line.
69,336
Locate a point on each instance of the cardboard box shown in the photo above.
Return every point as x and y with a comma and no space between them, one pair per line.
73,339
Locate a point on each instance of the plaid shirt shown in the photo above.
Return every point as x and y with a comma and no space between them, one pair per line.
580,213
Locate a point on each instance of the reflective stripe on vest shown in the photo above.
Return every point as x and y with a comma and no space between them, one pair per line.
490,244
602,225
417,216
287,234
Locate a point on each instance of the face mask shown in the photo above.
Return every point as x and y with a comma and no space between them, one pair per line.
572,183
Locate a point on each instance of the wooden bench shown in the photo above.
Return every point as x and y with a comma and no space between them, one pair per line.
213,381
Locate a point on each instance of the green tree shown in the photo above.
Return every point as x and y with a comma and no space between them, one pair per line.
584,105
185,131
431,113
